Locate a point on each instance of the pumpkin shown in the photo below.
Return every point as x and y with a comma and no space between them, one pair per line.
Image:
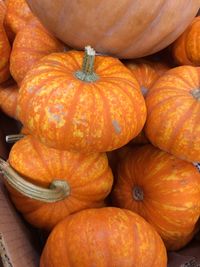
98,108
17,15
173,112
161,188
8,98
186,49
4,47
31,44
128,29
106,237
82,181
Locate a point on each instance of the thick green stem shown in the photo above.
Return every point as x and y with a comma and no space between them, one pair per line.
87,73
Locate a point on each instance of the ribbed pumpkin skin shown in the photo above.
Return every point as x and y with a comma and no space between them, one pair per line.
67,113
173,113
107,237
127,29
17,15
171,193
186,49
8,98
89,177
31,44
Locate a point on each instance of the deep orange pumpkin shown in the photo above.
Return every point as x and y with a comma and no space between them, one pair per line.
107,237
127,29
163,189
88,176
173,113
17,15
31,44
8,98
186,49
66,111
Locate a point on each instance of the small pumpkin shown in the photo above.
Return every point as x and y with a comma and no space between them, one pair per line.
186,49
17,15
77,181
98,108
106,237
173,111
8,98
31,44
163,189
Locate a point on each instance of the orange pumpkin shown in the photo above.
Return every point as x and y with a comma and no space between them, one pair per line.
104,237
8,98
98,108
186,49
17,15
173,112
163,189
85,181
31,44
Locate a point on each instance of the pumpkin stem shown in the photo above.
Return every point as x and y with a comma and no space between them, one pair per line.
87,73
57,191
138,193
196,93
12,138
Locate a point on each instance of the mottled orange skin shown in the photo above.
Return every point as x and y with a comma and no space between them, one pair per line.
186,49
17,15
67,113
31,44
89,177
106,237
173,113
171,193
8,98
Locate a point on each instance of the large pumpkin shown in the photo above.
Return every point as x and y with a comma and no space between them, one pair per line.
31,44
107,237
98,108
8,98
126,29
85,181
163,189
186,49
173,113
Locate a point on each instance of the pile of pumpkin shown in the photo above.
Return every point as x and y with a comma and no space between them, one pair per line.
79,109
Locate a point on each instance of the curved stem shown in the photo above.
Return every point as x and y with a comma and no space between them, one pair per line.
12,138
57,191
87,73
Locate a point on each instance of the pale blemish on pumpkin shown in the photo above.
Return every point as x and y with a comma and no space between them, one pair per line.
30,89
117,127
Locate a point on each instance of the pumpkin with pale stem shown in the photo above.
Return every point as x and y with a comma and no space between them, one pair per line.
186,49
128,29
96,107
173,113
106,237
166,193
76,181
31,44
8,98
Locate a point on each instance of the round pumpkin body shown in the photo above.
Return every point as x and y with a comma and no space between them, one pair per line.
186,49
65,112
127,29
31,44
88,176
166,192
107,237
8,98
173,113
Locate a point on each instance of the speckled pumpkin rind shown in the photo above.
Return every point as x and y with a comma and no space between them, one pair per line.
107,237
170,198
89,177
173,113
67,113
